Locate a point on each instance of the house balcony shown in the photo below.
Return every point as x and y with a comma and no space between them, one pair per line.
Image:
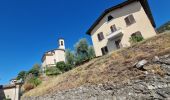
115,34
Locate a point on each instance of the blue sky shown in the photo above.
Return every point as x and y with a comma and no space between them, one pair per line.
28,28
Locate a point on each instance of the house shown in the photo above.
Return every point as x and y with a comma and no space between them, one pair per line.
11,91
113,29
50,58
15,81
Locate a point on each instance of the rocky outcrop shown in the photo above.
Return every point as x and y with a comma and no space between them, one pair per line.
154,84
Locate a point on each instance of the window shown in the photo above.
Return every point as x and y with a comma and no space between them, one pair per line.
100,36
117,43
113,28
61,43
109,18
129,20
136,34
136,37
55,61
104,50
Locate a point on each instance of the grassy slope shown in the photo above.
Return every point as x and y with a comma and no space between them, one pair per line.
116,67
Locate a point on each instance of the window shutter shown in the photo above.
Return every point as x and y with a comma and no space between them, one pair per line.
113,28
104,50
132,19
100,36
127,21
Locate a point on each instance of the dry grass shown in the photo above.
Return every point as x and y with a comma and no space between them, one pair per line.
116,67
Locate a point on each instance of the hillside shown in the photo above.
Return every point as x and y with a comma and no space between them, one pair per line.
165,27
114,76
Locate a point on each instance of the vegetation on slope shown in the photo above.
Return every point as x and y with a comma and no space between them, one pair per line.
83,53
116,67
32,78
164,28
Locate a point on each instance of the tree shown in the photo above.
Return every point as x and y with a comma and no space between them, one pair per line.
70,57
91,52
81,50
35,70
22,75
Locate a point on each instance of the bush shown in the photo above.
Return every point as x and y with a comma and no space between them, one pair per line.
35,70
52,71
79,59
28,86
31,82
35,81
7,98
63,67
135,39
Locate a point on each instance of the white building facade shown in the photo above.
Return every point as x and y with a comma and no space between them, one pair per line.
50,58
113,29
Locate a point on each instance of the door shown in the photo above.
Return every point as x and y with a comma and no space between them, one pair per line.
118,44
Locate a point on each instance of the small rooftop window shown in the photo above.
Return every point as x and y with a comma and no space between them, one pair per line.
110,17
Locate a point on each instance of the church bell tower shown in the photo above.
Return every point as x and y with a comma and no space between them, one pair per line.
61,43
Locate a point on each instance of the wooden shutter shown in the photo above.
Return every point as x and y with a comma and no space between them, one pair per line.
129,20
100,36
106,49
113,28
132,19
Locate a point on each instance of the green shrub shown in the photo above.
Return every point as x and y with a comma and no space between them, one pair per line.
91,52
52,71
70,58
135,39
35,70
7,98
35,81
63,67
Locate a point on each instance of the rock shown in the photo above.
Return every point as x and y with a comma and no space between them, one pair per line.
141,63
162,60
156,59
165,56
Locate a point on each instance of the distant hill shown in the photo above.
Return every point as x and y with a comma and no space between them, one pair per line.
164,27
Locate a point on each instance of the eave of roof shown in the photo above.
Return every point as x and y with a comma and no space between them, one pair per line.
144,3
8,86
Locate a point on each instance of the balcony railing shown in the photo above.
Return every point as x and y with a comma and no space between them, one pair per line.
115,34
